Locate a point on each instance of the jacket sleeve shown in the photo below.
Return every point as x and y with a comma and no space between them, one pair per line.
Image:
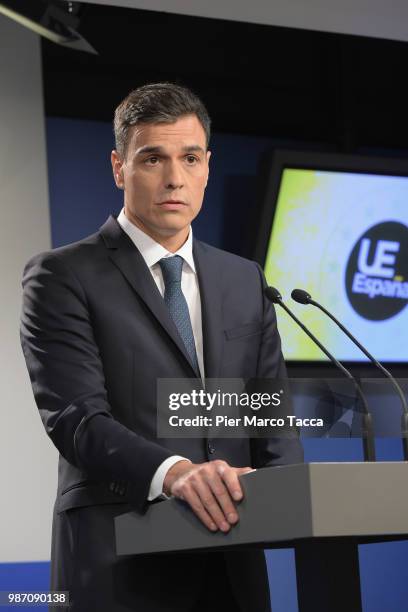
288,449
67,377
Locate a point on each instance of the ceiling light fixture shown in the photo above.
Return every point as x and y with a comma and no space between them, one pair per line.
55,20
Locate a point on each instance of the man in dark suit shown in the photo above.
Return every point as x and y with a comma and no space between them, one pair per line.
102,320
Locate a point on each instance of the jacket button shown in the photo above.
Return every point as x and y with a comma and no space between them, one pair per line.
211,448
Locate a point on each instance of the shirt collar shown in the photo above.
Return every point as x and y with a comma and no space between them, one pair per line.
151,250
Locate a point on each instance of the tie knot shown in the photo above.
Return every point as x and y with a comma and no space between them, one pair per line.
171,269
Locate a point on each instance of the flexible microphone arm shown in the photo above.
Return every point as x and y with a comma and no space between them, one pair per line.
367,430
302,297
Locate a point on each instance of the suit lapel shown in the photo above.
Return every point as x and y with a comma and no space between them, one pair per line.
210,295
131,264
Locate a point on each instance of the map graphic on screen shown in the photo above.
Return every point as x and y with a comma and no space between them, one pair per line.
343,237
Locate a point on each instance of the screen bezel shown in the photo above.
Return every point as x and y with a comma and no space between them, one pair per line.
269,181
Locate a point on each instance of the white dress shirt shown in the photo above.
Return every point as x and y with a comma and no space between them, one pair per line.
152,252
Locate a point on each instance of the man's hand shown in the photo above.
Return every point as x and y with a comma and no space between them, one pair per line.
209,488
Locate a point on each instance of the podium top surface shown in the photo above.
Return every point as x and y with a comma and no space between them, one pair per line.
283,504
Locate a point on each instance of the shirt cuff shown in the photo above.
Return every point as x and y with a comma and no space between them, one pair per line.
156,486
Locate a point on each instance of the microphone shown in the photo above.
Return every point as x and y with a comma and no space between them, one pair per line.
275,297
302,297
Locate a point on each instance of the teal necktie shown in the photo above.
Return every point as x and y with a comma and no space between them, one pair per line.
171,268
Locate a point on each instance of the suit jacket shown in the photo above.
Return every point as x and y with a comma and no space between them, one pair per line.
96,335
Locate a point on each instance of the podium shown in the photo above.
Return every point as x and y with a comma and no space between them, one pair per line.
322,510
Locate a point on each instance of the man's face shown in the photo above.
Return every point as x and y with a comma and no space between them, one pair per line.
164,176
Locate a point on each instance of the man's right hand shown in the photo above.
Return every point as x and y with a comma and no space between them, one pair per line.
209,488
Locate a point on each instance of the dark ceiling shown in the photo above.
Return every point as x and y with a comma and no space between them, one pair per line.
345,92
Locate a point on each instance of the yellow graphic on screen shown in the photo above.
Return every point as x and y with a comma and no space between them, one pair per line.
319,216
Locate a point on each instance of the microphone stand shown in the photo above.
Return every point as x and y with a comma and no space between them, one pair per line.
302,297
367,429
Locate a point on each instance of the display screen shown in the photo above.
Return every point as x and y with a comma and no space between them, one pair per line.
343,237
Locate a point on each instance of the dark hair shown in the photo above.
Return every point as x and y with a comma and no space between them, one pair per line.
157,103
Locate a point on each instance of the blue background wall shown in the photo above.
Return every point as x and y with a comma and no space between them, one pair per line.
82,195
